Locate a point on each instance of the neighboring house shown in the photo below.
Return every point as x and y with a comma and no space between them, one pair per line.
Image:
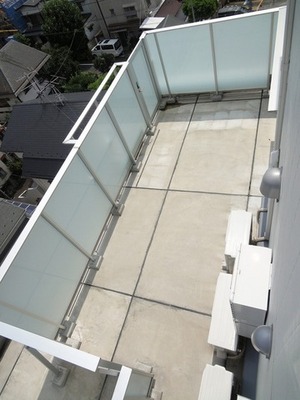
19,65
5,172
118,18
37,130
31,14
11,10
104,19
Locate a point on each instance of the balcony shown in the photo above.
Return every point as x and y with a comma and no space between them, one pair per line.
127,244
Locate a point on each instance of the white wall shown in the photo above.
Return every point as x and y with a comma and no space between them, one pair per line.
279,377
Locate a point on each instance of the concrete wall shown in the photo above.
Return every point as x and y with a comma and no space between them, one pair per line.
279,377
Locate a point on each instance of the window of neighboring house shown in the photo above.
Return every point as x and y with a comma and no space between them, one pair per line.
90,27
112,12
130,12
2,173
4,159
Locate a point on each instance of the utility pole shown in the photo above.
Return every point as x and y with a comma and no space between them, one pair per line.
105,30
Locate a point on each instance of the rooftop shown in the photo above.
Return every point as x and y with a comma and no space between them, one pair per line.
19,64
149,304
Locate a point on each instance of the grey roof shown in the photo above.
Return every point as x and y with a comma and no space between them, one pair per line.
170,20
16,61
37,129
12,219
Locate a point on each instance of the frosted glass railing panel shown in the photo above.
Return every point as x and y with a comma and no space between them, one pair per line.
274,32
79,206
153,55
145,82
106,154
187,58
242,49
127,112
36,290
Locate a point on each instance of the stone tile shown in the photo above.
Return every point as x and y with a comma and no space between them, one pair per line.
162,159
100,321
218,149
173,342
187,250
125,253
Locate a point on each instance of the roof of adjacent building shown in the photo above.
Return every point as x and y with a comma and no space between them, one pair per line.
169,7
160,22
12,219
18,65
37,129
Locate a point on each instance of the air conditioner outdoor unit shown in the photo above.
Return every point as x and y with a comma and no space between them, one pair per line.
216,383
222,332
238,232
250,288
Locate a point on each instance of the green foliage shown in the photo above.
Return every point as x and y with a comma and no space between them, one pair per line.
22,39
94,85
198,10
63,26
80,82
60,64
15,166
104,62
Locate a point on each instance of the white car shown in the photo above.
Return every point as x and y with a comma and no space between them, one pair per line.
108,46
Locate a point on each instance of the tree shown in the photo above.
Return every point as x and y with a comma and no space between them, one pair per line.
63,26
22,39
104,62
15,166
198,10
80,82
60,64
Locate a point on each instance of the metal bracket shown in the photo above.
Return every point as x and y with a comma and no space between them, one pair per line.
60,379
151,131
136,166
95,261
216,96
117,210
68,328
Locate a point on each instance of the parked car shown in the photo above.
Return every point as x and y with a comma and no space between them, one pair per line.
108,46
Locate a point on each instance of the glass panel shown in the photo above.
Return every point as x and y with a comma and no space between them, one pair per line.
79,206
144,80
106,154
187,58
127,112
138,385
242,52
36,290
155,63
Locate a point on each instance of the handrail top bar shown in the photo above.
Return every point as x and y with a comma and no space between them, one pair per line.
69,138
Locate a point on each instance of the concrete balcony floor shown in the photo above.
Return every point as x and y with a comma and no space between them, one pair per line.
150,302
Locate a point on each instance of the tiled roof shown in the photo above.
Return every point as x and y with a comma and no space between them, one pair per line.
169,7
18,62
37,129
